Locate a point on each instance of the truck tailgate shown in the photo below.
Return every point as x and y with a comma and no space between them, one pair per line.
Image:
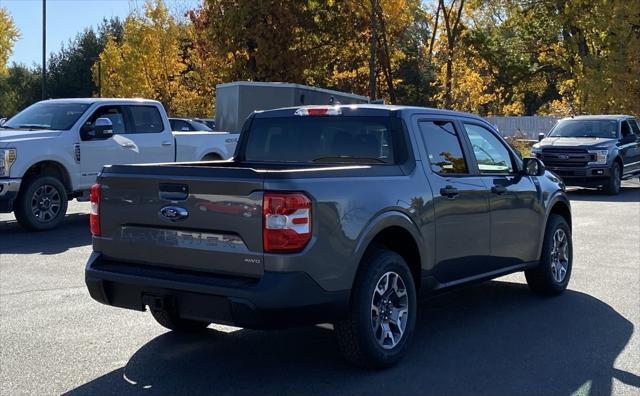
206,219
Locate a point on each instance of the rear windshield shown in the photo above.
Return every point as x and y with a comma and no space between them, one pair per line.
328,139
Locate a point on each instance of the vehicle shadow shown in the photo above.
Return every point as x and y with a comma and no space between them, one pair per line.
495,339
73,232
630,192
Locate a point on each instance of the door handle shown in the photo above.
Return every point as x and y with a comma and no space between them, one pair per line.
449,191
167,143
128,145
498,189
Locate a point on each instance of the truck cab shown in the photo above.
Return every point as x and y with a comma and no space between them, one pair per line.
593,151
54,150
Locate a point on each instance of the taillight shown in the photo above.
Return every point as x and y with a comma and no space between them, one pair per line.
94,213
287,222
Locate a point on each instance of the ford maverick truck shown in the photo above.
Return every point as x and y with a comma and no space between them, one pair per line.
52,151
338,214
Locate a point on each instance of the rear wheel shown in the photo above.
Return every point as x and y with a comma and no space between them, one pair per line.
613,184
175,323
552,274
41,204
382,315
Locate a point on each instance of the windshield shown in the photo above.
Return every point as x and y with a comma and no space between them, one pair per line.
586,128
47,115
323,139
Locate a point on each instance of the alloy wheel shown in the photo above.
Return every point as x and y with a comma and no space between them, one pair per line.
389,310
559,255
46,203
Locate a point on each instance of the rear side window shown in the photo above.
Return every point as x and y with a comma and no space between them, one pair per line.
443,147
324,139
145,119
634,127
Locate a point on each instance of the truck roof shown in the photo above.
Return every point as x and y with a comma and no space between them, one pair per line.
101,100
612,117
370,109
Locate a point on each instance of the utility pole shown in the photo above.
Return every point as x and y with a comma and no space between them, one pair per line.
44,49
372,52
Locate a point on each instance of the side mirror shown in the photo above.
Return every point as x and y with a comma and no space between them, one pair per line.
533,167
541,136
101,129
2,121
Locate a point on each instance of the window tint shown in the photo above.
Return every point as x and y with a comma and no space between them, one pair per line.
179,125
492,156
443,147
113,113
625,129
323,139
145,119
634,127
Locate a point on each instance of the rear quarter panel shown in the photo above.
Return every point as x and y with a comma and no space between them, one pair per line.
193,146
347,213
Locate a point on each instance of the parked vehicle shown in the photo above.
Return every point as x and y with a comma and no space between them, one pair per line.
210,122
329,214
52,151
593,151
188,125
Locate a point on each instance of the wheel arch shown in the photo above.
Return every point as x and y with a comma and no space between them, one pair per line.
397,232
50,168
212,156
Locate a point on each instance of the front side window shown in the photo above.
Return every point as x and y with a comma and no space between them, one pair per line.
145,119
625,129
113,113
634,127
47,115
491,155
443,147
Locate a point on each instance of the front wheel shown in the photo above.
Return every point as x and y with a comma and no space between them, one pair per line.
615,181
41,204
552,274
382,315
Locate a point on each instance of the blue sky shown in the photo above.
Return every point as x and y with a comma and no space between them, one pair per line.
65,19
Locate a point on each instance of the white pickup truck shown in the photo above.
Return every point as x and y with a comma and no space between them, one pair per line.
52,151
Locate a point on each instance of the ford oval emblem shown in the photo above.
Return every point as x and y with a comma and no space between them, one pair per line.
173,213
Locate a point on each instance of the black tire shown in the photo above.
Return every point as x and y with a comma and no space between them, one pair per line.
543,279
175,323
615,180
356,335
51,192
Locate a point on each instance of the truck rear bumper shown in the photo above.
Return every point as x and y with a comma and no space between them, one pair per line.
8,192
278,299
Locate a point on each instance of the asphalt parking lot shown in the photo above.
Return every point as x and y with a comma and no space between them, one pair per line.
491,339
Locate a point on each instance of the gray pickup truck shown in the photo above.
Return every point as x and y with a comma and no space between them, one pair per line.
341,214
